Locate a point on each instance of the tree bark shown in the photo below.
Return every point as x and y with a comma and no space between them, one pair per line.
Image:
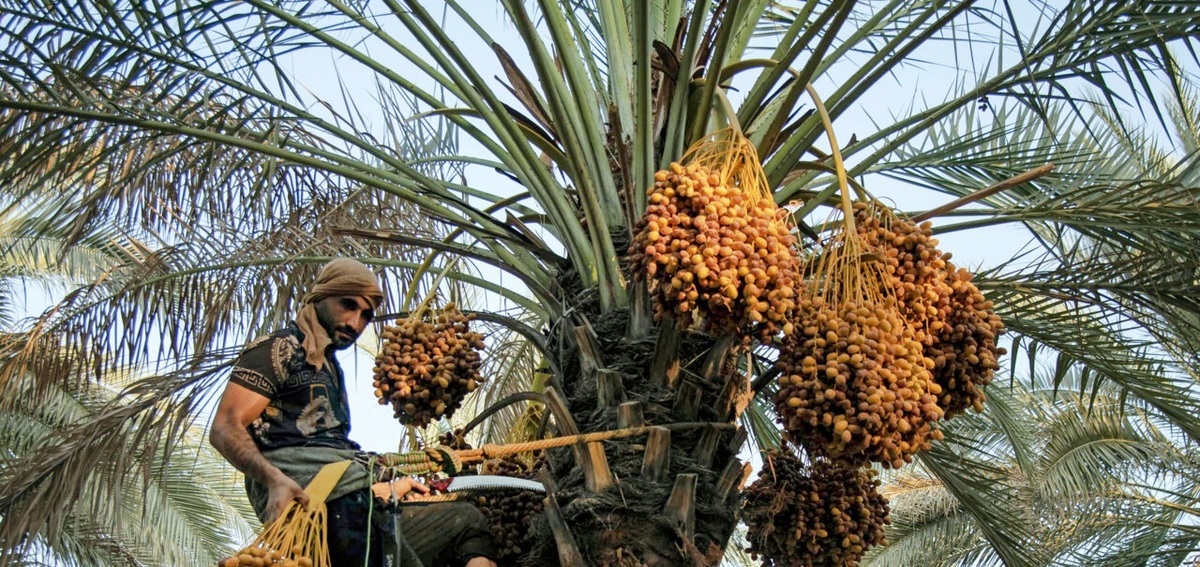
687,401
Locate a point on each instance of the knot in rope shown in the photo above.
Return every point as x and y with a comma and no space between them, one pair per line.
445,460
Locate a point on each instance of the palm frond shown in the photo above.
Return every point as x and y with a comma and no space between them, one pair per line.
178,505
511,366
968,468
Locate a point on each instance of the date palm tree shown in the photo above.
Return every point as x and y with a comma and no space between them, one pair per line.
254,139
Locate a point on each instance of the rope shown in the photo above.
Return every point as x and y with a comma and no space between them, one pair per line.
401,459
370,516
441,459
431,498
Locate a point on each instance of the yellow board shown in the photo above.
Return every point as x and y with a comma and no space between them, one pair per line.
327,478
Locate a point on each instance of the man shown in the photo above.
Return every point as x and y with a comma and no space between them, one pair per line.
284,415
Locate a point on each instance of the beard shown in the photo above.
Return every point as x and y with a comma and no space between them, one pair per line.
337,334
340,340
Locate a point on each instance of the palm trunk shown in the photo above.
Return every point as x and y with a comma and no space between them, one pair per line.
668,499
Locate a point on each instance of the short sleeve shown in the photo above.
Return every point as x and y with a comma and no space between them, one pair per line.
261,367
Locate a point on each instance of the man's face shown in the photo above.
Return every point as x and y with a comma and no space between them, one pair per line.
344,318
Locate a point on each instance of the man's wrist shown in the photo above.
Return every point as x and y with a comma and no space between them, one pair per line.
272,475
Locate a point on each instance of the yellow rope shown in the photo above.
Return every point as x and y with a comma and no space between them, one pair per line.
435,460
432,498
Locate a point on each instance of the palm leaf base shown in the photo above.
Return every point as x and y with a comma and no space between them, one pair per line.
673,496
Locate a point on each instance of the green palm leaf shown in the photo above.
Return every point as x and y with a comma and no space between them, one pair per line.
183,508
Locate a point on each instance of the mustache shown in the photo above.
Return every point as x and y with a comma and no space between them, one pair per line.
348,330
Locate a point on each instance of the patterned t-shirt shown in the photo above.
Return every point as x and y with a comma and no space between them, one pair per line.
308,407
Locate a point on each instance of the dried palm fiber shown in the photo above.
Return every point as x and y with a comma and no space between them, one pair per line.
855,384
716,252
827,514
297,537
428,364
953,321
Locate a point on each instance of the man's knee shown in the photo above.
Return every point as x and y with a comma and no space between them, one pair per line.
448,530
443,515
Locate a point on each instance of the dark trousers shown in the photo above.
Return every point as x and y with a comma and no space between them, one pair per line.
356,538
443,534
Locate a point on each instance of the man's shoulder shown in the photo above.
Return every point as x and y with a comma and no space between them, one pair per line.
274,349
289,333
281,337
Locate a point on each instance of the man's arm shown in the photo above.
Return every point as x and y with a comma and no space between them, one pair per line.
239,407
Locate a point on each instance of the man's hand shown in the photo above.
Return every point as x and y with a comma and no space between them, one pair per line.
282,490
480,562
403,488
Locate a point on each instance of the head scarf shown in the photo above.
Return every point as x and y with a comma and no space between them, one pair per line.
339,278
